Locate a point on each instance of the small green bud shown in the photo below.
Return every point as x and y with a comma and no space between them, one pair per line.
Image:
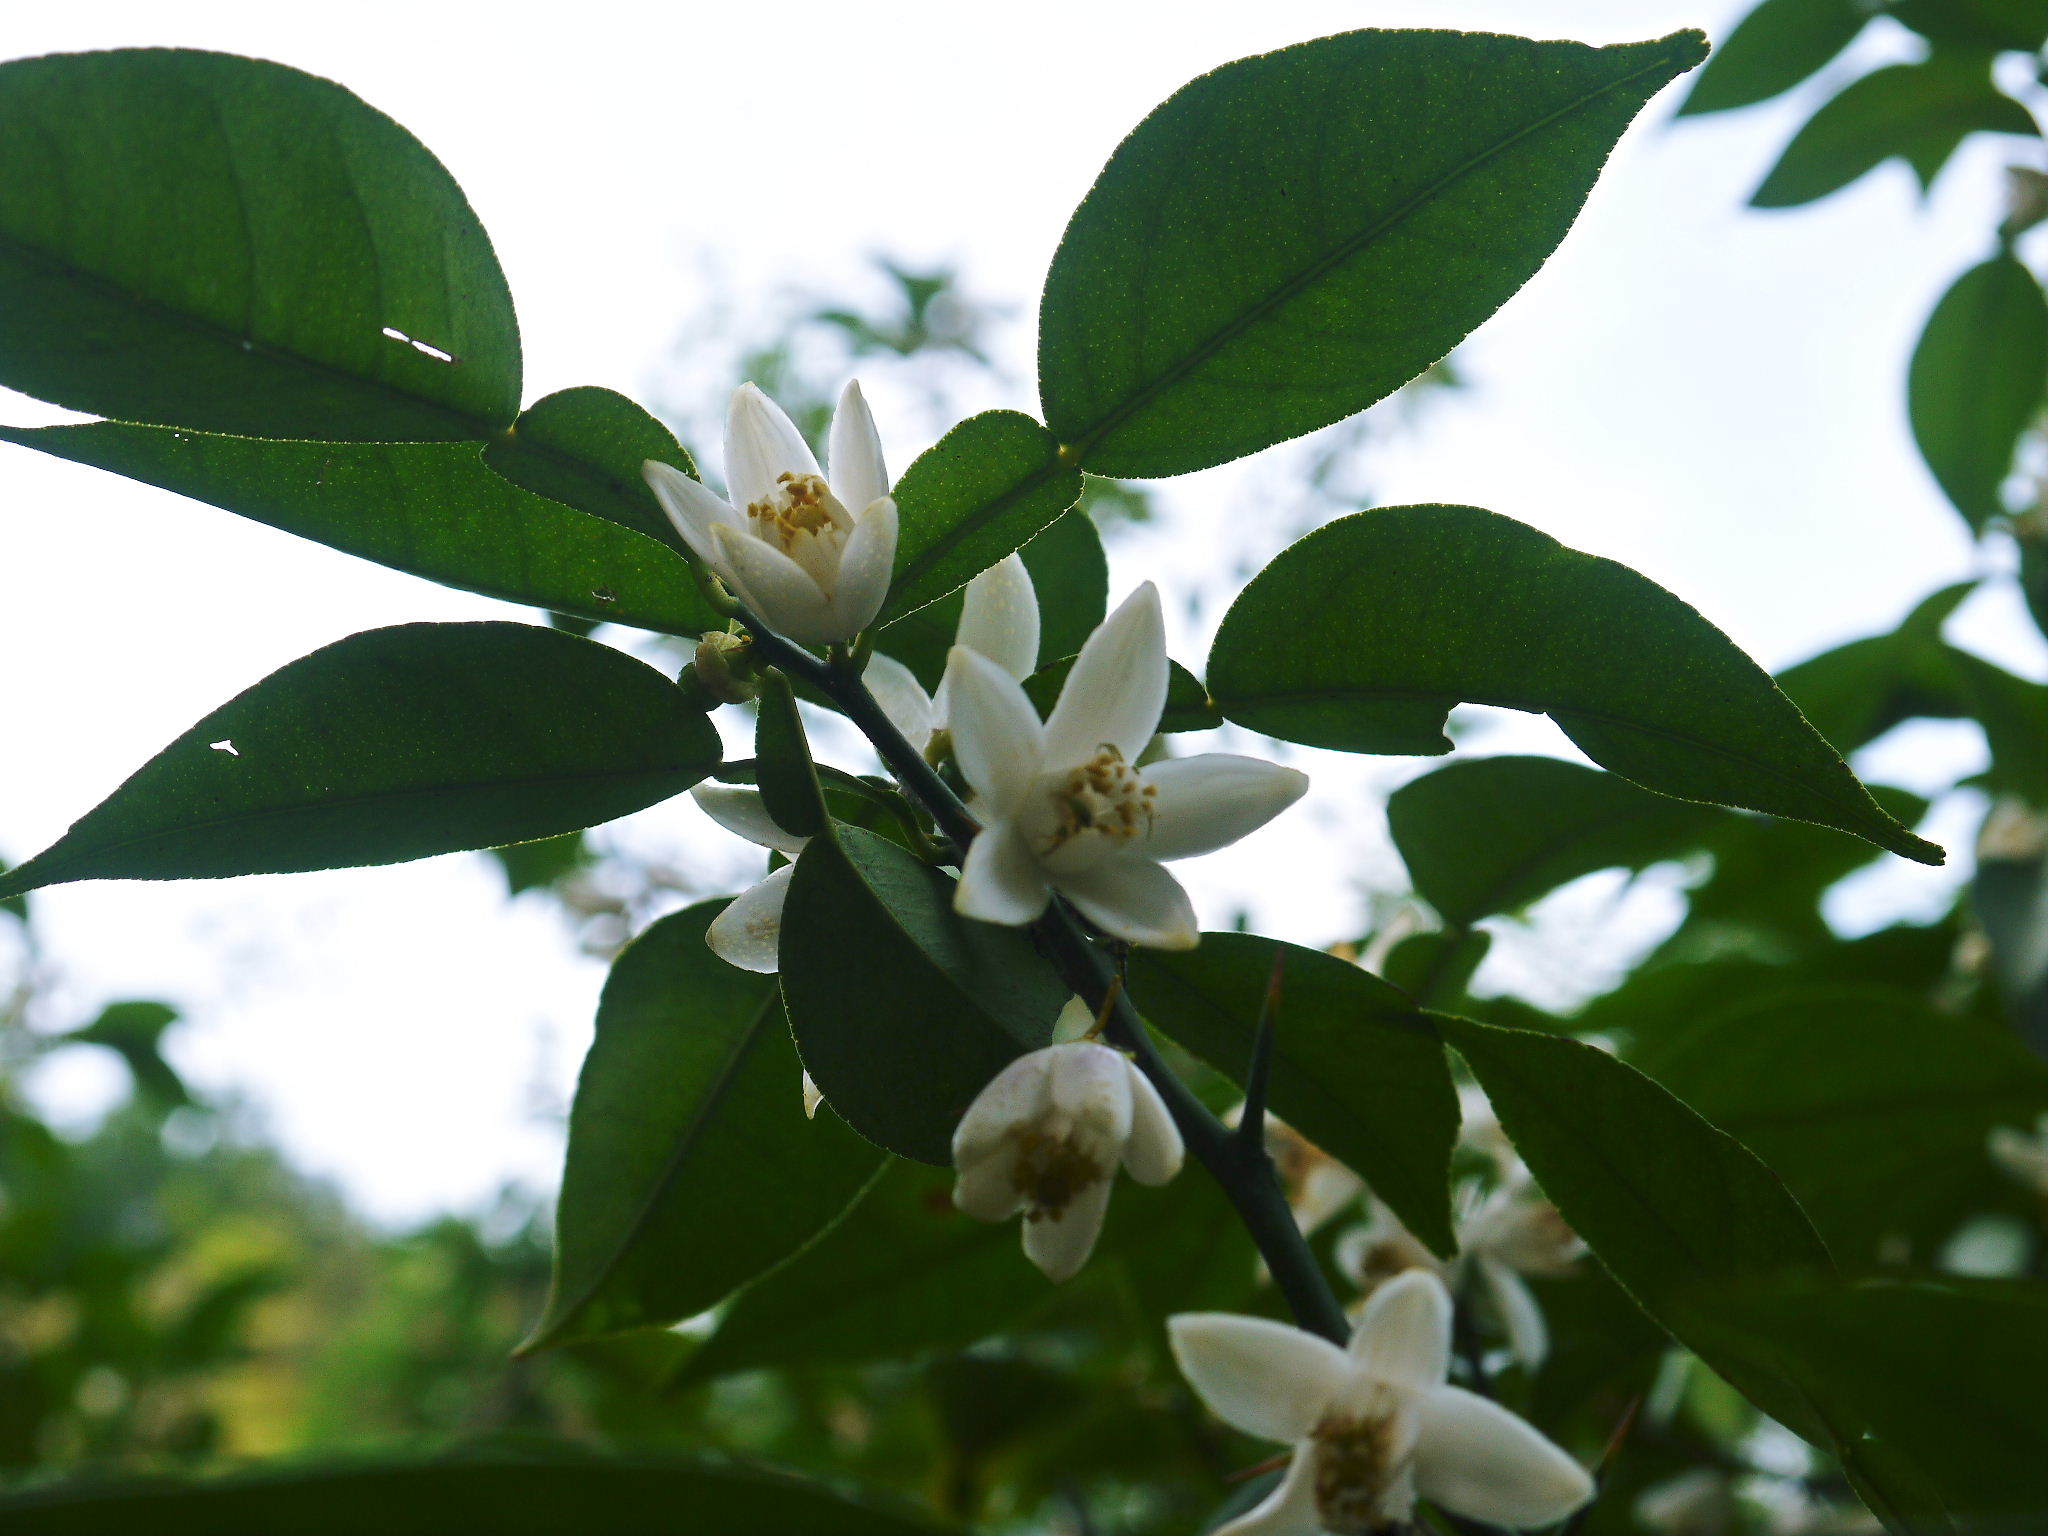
724,669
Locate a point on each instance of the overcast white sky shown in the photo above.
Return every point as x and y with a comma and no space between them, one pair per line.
1710,395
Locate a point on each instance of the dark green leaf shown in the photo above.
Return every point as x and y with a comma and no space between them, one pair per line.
1488,835
1294,236
1919,112
208,241
536,865
18,905
1363,636
1068,572
984,489
1931,1389
1856,692
431,509
2009,898
1772,49
1666,1202
1356,1068
1435,967
134,1030
1187,701
531,1493
782,762
902,1010
584,447
392,745
1872,1106
1977,379
691,1167
2020,25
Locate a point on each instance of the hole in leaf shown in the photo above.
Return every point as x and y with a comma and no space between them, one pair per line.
224,746
604,594
426,347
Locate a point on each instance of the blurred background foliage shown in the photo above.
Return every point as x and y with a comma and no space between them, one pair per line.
174,1295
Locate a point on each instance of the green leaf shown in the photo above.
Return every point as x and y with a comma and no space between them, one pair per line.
392,745
1365,634
1772,49
1667,1202
2016,25
584,447
1488,835
1930,1387
902,1010
134,1031
1296,235
529,1493
1977,379
201,240
782,762
1856,692
430,509
1068,572
1919,112
984,489
691,1167
537,865
1187,701
1356,1067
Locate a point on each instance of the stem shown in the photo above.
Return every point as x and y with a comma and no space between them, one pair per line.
1241,1167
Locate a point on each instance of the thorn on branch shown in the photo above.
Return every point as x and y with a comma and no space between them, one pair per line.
1251,1128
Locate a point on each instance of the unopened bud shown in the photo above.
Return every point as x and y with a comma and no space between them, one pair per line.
938,749
724,667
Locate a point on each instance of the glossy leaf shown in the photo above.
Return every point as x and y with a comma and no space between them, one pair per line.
1772,49
1187,701
782,762
1978,376
986,488
392,745
1070,575
1356,1068
1667,1202
1487,835
1364,635
526,1493
1932,1389
1296,235
430,509
1918,112
584,448
903,1011
1871,1105
691,1167
208,241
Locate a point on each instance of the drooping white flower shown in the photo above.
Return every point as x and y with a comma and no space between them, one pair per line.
810,558
1375,1425
1044,1139
2023,1155
998,618
1063,806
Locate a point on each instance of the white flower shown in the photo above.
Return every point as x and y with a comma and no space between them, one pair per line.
998,618
1373,1426
810,559
1062,804
2022,1154
1044,1138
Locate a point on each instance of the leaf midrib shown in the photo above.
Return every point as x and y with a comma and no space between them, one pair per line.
1195,357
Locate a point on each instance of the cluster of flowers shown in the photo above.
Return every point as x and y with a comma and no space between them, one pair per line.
1069,806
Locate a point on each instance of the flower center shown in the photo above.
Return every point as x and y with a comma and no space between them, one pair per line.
1362,1479
1051,1169
1103,797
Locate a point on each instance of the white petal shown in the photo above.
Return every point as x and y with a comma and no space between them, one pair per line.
901,696
1001,882
1520,1317
1074,1022
1404,1338
779,591
987,1189
1154,1152
1060,1245
1478,1460
743,813
1015,1095
853,456
995,730
1208,802
1290,1509
1135,900
761,444
1117,689
865,566
999,617
692,507
1262,1377
749,932
1091,1083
